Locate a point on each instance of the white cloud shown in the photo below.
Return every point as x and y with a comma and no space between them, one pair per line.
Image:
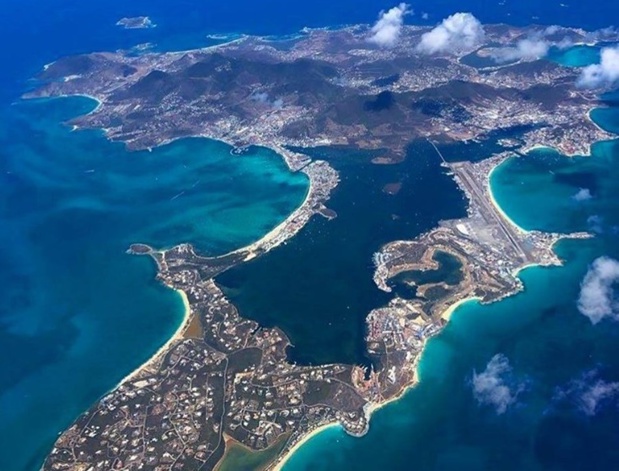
587,392
387,29
605,34
595,223
425,16
533,47
525,49
564,44
597,299
596,393
263,97
604,74
583,194
460,31
552,29
491,387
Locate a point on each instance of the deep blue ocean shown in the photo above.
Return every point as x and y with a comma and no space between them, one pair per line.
78,314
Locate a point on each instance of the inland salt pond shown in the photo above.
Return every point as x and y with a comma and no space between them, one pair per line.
448,271
318,287
77,313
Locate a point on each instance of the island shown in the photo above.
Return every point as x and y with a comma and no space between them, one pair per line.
224,381
137,22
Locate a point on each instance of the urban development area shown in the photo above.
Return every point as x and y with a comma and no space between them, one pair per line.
224,382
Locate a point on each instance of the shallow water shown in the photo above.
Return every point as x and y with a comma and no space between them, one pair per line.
577,56
77,313
54,239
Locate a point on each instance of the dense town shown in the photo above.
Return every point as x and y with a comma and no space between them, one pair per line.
329,88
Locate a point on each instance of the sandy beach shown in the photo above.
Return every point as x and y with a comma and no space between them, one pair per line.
280,464
178,335
592,121
451,309
536,147
83,95
369,410
587,153
273,233
610,134
496,204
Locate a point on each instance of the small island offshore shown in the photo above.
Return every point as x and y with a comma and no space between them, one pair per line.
224,381
137,22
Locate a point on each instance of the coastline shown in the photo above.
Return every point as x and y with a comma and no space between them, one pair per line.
516,272
611,135
250,249
375,406
592,121
533,147
372,407
266,238
285,458
178,335
564,153
496,205
272,234
446,316
265,241
98,101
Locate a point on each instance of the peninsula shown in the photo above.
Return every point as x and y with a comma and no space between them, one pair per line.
223,379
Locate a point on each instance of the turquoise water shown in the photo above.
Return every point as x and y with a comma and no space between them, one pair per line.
584,193
440,425
77,313
606,118
49,338
577,56
527,383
